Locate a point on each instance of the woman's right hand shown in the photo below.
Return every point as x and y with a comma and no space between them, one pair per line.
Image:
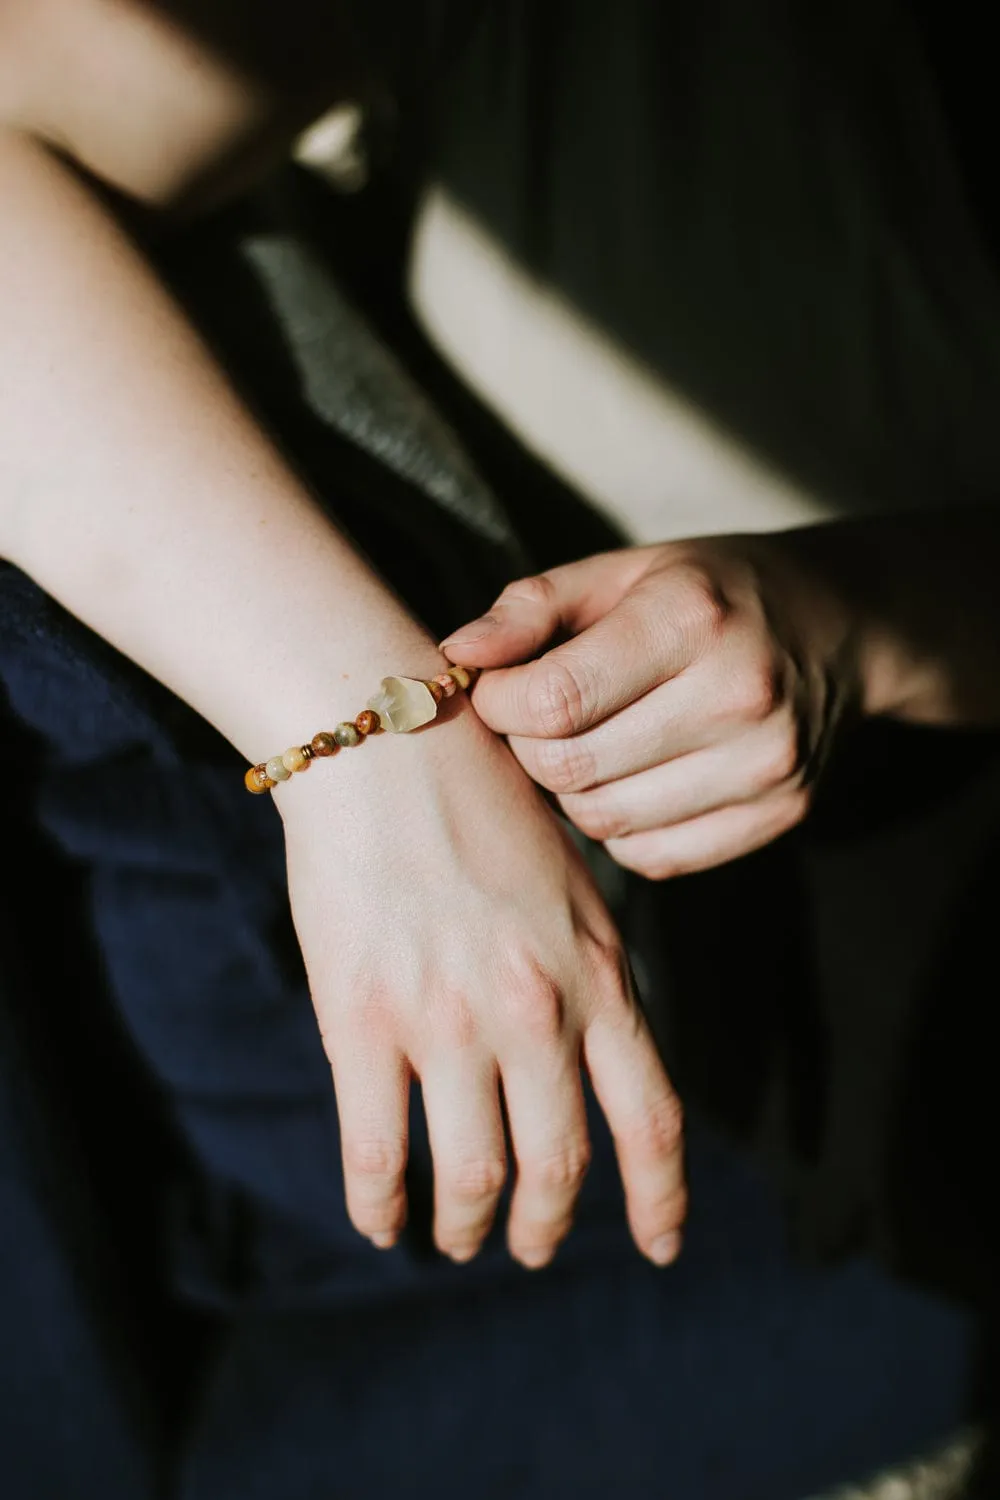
451,931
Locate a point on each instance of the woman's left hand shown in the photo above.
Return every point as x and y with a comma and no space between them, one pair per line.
690,697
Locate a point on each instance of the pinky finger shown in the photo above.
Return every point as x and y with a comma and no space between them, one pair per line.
714,839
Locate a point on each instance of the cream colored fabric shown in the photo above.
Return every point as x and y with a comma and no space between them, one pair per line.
637,450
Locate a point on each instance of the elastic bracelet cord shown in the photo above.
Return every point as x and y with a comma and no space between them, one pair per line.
402,704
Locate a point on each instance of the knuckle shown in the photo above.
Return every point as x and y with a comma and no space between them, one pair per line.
477,1179
534,1010
659,1131
535,589
375,1161
757,695
610,962
598,817
561,1171
704,606
555,699
782,762
451,1019
564,765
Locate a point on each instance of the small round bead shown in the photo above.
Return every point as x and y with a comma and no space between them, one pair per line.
447,684
296,759
437,691
277,770
461,676
323,744
367,721
346,734
257,780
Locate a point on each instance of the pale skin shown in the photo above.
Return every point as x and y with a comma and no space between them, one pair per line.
136,489
685,720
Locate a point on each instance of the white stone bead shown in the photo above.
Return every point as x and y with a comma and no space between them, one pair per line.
404,703
277,770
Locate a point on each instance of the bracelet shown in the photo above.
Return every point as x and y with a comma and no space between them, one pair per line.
401,705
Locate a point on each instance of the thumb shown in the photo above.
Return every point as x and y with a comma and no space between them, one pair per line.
532,610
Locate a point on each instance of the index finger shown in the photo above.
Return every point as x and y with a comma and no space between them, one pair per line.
638,645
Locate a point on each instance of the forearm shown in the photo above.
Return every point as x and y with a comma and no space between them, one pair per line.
925,591
136,489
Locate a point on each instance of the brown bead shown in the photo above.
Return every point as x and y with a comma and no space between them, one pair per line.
367,721
437,691
323,744
257,780
461,676
296,759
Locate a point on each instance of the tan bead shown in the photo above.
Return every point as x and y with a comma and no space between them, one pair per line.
257,780
296,759
345,734
461,676
367,721
447,684
437,691
323,744
276,769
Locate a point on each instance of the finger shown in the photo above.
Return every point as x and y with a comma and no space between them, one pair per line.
530,611
741,770
701,707
465,1125
714,839
548,1128
649,637
645,1118
372,1085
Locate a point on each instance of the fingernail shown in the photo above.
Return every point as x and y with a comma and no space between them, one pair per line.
383,1241
460,1254
665,1249
474,631
534,1260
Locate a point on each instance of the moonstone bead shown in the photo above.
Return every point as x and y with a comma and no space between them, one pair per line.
403,703
297,758
345,734
277,770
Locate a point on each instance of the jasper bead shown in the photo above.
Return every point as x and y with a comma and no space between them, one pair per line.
323,744
367,721
277,770
461,676
296,759
447,684
346,734
257,780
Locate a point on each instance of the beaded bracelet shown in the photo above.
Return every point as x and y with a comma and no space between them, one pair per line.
401,705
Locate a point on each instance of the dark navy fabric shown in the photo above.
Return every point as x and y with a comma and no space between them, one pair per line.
186,1311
